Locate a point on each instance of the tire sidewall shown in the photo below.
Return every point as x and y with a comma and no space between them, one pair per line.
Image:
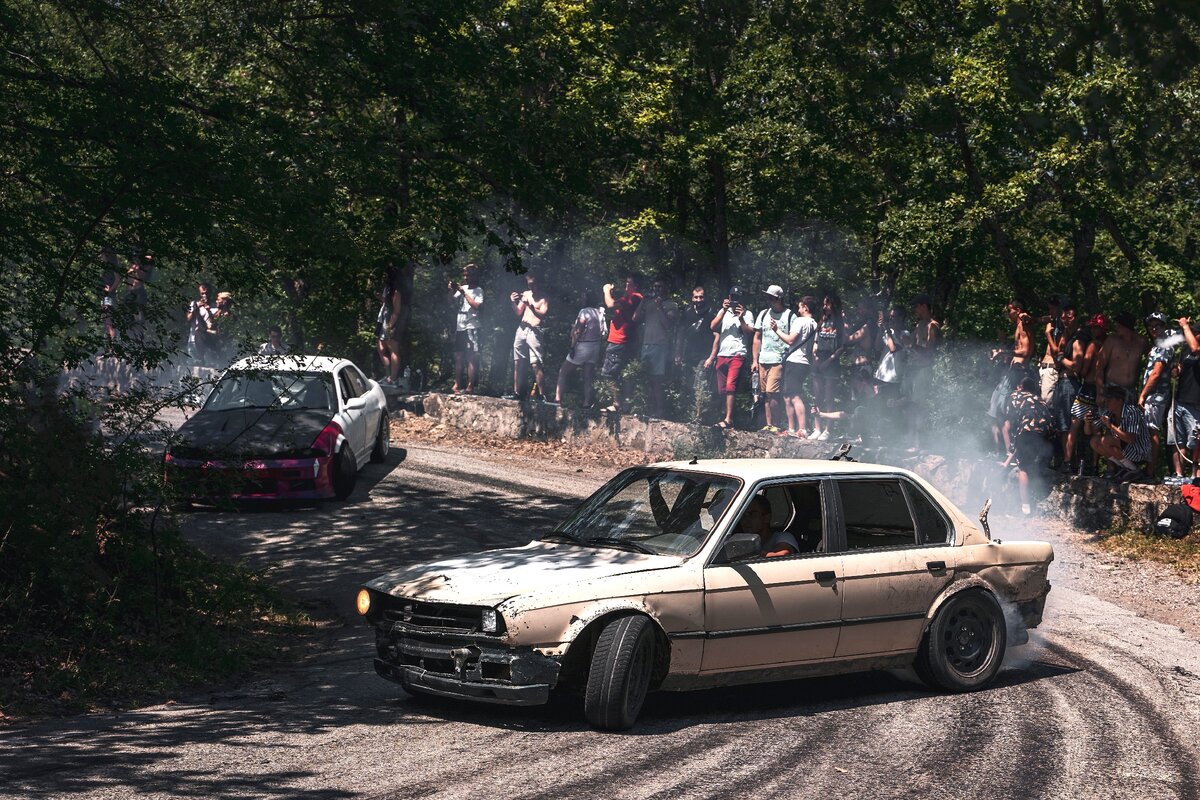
383,440
936,660
344,475
620,674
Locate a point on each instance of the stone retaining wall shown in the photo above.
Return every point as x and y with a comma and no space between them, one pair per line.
1089,503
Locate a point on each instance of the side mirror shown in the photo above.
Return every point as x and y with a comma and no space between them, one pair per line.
740,546
355,403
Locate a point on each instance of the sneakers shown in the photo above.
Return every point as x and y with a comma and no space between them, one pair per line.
823,436
508,396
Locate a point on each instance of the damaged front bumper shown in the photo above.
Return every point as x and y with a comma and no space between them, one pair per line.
468,667
1025,616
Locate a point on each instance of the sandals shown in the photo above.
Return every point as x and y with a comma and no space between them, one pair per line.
722,425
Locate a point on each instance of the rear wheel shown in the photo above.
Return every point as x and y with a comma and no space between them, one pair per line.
621,669
345,474
383,440
964,647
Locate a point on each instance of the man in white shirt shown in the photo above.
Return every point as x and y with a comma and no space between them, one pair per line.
768,353
799,338
466,329
732,324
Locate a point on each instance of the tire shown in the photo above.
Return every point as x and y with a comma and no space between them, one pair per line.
964,647
345,474
621,669
383,440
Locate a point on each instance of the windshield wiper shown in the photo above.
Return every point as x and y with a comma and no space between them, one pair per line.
612,541
561,536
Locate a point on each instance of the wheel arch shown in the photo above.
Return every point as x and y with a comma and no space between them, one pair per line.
960,585
577,660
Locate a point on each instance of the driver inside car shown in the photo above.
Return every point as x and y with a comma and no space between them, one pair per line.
757,520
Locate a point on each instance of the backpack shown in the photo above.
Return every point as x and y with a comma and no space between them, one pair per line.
1174,520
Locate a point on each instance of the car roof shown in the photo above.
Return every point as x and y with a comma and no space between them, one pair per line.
289,363
756,469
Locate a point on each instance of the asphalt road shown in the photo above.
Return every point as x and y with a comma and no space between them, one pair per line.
1103,702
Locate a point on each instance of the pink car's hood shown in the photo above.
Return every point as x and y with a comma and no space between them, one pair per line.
493,576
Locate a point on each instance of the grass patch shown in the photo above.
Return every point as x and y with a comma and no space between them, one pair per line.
129,639
1181,554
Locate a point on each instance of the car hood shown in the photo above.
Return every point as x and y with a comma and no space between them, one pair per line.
493,576
256,432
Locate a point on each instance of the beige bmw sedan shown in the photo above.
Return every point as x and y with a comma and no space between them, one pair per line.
681,576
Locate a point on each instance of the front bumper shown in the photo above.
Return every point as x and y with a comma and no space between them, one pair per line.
467,667
264,479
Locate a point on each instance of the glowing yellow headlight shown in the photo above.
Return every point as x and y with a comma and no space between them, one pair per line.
364,601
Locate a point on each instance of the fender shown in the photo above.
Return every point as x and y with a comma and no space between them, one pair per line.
563,638
960,584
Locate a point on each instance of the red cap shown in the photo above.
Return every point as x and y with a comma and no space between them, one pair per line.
1098,321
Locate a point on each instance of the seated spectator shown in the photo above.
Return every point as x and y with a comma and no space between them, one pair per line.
273,346
587,337
1121,434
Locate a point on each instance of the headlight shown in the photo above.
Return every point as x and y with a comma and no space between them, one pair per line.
490,621
364,601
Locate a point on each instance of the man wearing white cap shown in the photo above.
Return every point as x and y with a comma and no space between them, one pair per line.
768,354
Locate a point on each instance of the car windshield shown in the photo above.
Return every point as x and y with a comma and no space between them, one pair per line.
659,511
287,391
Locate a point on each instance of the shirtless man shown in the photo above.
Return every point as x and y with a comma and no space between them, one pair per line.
1085,407
1048,370
1018,368
1120,356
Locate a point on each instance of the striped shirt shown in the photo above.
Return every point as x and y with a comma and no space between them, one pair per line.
1133,421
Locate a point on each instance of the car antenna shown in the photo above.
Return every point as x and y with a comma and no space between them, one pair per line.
843,453
983,518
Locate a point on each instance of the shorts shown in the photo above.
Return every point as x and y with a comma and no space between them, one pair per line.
918,380
1032,450
1084,402
770,378
585,353
466,341
1064,397
1186,419
654,356
1048,376
998,407
795,375
728,370
527,345
615,359
1156,412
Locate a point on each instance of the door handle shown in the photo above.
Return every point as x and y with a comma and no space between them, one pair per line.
936,566
825,576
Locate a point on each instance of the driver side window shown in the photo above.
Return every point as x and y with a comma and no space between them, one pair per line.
788,520
345,388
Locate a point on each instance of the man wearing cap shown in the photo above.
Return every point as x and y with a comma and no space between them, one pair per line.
768,354
1120,355
1154,396
732,324
1187,401
1121,434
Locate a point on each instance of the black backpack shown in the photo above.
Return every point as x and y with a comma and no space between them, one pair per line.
1174,520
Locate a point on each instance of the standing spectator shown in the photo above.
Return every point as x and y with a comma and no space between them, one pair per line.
1120,355
767,354
1072,360
623,331
1187,402
531,307
926,336
863,342
587,336
827,354
1048,370
222,328
134,300
1018,367
466,328
198,315
273,346
732,324
1084,408
1032,427
800,337
1121,434
388,326
1155,394
692,348
658,316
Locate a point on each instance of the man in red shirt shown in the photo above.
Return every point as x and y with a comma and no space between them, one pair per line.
624,320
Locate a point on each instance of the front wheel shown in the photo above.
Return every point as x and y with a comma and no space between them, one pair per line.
345,474
619,678
964,647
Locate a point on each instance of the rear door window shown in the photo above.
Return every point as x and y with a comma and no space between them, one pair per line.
932,527
876,514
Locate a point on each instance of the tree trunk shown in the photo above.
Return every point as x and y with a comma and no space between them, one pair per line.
1084,242
720,226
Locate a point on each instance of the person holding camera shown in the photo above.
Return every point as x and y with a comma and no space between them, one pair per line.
531,307
658,315
768,352
466,328
692,349
732,324
1121,435
199,314
623,307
